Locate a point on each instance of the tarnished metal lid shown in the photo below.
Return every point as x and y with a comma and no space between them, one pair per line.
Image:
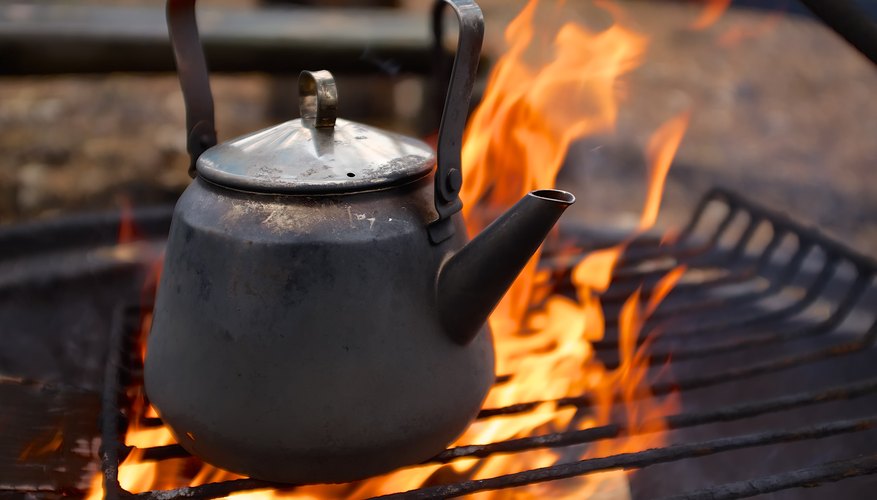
316,154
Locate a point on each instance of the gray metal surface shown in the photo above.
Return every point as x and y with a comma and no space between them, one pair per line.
271,304
473,281
294,158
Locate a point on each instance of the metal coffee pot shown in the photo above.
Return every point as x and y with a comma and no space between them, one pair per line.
321,316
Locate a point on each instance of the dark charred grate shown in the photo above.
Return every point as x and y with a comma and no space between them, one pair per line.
756,282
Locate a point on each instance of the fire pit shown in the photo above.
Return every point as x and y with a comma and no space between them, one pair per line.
769,336
731,359
746,314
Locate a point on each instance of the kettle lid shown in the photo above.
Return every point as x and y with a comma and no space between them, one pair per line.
317,153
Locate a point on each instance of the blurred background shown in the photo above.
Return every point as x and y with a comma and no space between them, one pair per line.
781,108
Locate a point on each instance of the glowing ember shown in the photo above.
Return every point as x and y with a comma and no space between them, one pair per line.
536,105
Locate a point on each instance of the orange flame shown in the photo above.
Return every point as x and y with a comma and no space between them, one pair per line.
518,137
660,152
536,105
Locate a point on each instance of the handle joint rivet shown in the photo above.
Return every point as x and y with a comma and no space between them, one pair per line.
454,180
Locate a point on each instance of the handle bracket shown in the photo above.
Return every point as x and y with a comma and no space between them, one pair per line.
449,171
194,80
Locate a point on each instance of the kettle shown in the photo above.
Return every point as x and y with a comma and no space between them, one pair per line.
321,316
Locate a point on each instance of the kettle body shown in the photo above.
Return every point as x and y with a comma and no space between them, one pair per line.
321,315
296,339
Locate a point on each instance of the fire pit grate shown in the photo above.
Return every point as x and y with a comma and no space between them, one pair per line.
762,296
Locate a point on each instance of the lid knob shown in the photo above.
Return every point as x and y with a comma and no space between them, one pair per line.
317,98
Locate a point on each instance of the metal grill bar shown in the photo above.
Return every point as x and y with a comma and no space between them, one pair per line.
614,430
701,304
672,422
111,430
781,221
562,471
802,478
792,269
737,373
636,460
774,365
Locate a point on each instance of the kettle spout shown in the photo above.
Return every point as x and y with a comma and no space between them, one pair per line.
474,280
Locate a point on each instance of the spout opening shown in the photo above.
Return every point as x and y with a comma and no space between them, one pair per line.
555,195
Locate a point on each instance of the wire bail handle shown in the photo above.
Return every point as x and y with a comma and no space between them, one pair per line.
194,79
449,171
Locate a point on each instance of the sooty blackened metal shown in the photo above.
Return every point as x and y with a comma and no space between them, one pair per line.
726,325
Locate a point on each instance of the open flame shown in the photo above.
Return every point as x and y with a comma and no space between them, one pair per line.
536,105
